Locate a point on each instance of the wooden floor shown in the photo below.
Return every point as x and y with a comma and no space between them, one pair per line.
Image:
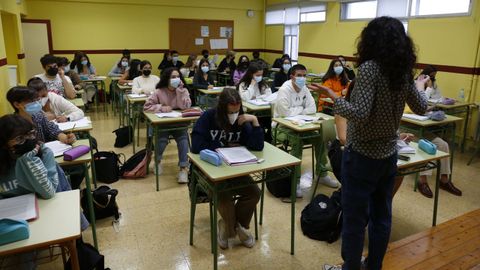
454,244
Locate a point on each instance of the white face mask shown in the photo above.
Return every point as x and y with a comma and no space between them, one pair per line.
205,69
43,101
66,68
258,78
232,117
124,63
338,70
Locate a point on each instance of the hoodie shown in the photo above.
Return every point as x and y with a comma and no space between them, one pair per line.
179,99
290,102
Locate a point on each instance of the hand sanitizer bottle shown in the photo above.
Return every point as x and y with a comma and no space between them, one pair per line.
461,95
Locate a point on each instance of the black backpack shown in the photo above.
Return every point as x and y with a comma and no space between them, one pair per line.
279,188
88,257
124,136
107,166
322,218
104,203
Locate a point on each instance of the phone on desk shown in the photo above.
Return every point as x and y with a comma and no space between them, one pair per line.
403,157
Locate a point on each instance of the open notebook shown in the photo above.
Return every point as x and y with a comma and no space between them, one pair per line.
58,147
404,148
24,207
416,116
68,126
235,156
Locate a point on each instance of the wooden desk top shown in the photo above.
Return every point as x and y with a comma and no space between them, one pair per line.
254,108
81,160
155,120
136,99
274,159
77,102
306,127
59,221
428,123
94,79
124,87
419,157
211,91
457,104
451,245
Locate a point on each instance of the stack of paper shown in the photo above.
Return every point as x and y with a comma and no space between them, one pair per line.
84,122
235,156
258,102
306,118
416,116
58,147
137,95
217,88
271,98
404,148
23,207
172,114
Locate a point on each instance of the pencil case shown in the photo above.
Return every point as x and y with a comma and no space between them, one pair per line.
75,152
211,157
427,146
12,230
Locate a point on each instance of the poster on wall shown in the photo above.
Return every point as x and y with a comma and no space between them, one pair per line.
199,41
219,44
204,31
226,32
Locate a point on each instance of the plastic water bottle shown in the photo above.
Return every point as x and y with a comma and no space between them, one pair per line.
461,95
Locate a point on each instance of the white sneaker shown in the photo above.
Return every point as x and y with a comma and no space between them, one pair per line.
329,182
299,192
222,239
183,176
332,267
159,168
245,236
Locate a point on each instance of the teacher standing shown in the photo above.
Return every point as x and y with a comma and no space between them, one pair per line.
386,58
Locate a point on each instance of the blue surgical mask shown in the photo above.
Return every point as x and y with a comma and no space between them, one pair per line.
258,78
84,62
66,68
300,82
175,59
175,82
338,70
33,107
286,67
205,69
124,63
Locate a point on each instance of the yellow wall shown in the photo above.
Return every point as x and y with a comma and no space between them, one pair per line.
119,24
10,13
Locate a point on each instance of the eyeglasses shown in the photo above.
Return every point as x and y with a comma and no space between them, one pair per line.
32,134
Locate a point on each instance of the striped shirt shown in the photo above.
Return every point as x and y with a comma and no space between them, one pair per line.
46,130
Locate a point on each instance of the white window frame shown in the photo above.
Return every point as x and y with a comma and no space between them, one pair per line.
343,11
288,49
274,10
463,14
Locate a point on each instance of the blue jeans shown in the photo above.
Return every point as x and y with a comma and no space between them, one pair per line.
367,187
181,137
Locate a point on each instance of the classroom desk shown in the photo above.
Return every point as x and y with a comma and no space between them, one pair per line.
122,89
420,127
208,95
165,124
314,78
223,77
456,109
259,111
135,108
58,224
99,80
219,179
84,160
419,162
297,135
78,102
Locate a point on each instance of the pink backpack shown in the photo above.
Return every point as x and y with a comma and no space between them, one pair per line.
136,166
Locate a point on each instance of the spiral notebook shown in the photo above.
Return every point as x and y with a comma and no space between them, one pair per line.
235,156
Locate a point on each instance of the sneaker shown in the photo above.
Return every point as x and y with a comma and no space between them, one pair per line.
332,267
245,236
329,182
183,176
222,239
299,192
159,168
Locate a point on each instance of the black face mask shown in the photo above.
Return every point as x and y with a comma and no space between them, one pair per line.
146,72
205,56
52,71
432,79
27,146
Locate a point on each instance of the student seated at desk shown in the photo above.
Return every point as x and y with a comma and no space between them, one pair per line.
279,61
132,72
86,70
64,64
166,61
431,88
347,67
146,83
335,79
259,61
120,67
54,106
241,69
228,63
55,78
282,76
252,86
294,98
188,70
176,60
171,95
226,126
203,79
211,62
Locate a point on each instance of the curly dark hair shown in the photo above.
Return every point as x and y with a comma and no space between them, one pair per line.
384,41
165,77
331,73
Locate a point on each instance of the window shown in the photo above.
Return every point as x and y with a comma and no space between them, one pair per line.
290,41
313,13
274,17
439,7
393,8
359,10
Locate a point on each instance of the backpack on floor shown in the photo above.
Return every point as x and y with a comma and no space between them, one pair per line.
107,166
88,257
104,203
124,136
281,187
322,218
136,166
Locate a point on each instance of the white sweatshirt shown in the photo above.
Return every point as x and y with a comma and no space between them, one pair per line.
61,106
145,85
252,92
290,102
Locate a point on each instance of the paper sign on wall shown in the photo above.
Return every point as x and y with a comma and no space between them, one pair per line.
226,32
219,44
199,41
204,31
